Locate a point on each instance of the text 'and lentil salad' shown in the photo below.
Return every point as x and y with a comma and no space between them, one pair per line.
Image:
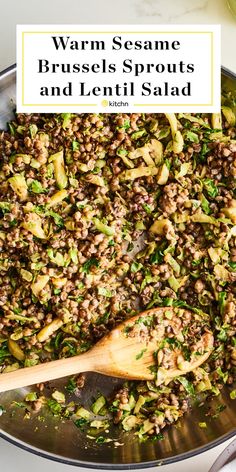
103,216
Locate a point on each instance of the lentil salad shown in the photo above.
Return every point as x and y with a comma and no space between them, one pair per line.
104,215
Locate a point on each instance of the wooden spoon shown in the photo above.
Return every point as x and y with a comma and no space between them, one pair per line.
143,347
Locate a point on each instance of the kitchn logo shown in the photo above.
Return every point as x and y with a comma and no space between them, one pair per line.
114,103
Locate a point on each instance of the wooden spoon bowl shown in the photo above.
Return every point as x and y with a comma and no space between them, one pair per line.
161,343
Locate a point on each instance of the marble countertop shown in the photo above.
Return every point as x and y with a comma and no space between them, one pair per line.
113,12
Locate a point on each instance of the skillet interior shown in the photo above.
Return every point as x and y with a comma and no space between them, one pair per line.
66,443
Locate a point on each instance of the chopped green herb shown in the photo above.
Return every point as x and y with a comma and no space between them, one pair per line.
222,335
93,262
80,423
58,220
100,440
157,437
75,146
210,187
147,208
54,406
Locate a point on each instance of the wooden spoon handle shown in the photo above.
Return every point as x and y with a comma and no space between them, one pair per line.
48,371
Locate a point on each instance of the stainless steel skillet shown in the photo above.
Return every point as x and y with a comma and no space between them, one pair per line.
63,442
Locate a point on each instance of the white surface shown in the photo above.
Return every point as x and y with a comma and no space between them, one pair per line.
14,459
229,467
114,12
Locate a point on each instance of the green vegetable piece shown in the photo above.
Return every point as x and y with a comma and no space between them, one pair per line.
216,121
222,296
73,254
31,397
136,266
126,125
71,385
5,207
26,275
121,152
83,413
191,136
34,226
146,426
59,396
19,186
98,424
80,423
193,119
66,120
54,407
30,362
187,385
184,170
131,403
98,404
36,187
103,228
75,146
229,115
138,172
178,142
232,265
16,350
33,130
58,259
105,292
173,283
210,187
140,402
222,335
203,218
96,180
59,169
11,129
222,375
202,425
173,263
156,257
129,422
138,134
205,205
4,352
58,220
233,395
